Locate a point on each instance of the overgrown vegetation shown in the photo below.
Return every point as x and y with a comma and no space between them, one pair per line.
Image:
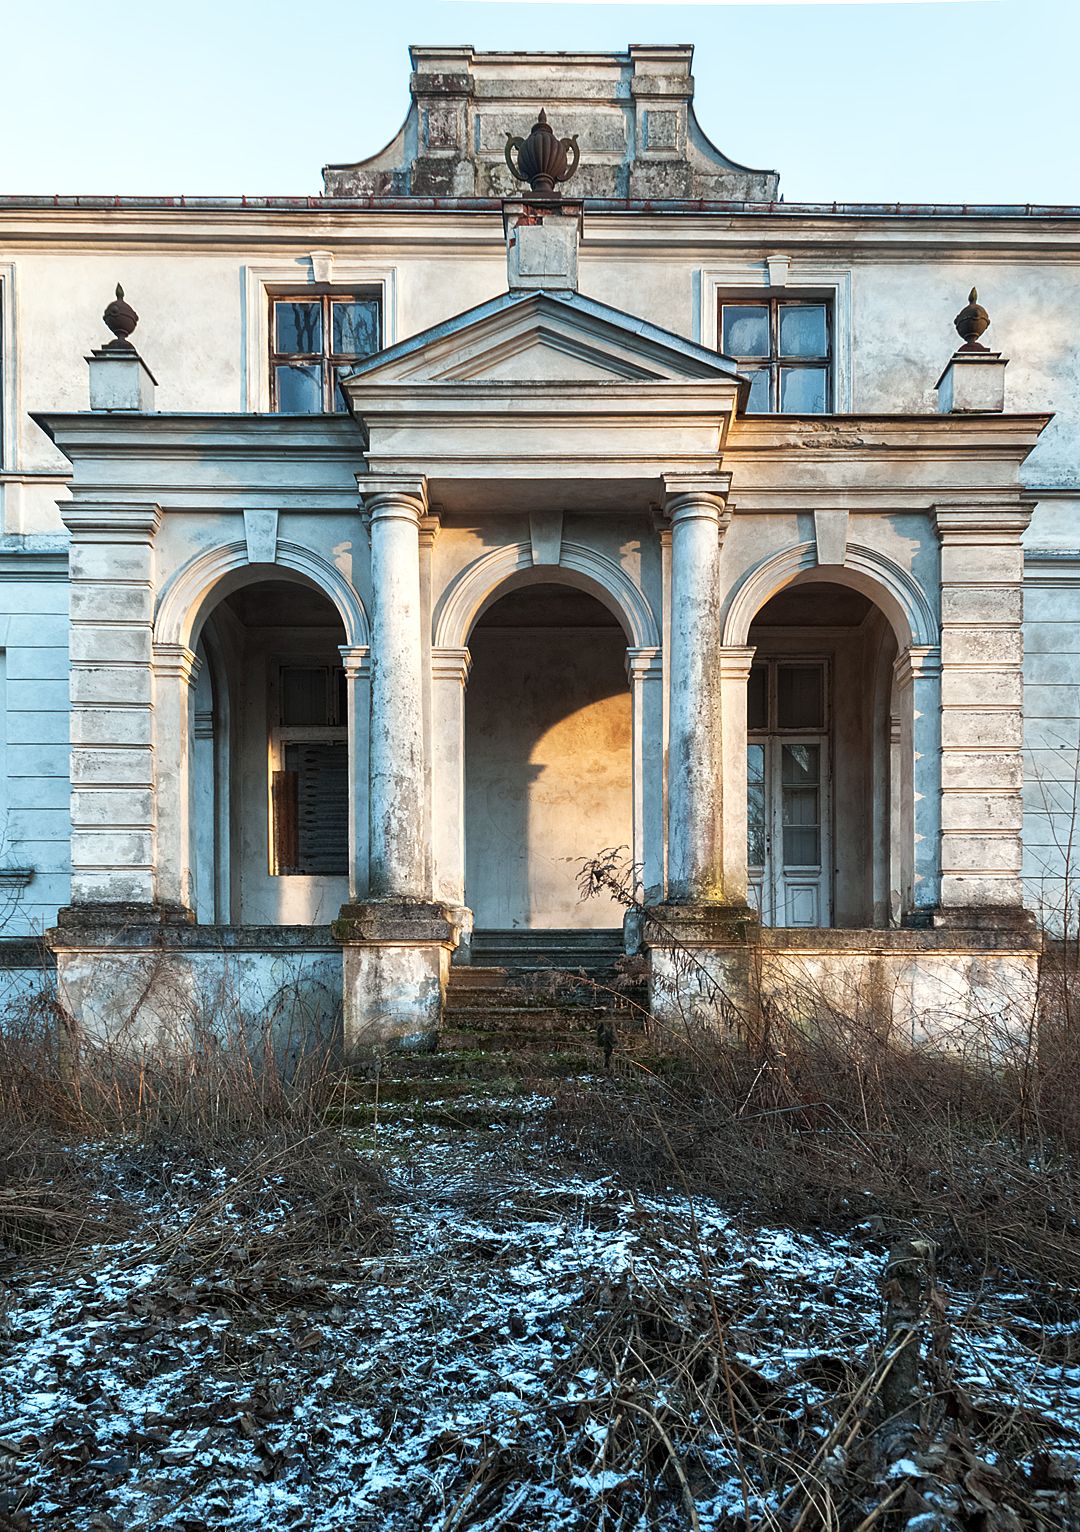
770,1273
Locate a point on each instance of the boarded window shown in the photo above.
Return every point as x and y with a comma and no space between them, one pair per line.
311,810
310,791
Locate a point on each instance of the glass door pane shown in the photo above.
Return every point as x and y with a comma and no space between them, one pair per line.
756,832
800,787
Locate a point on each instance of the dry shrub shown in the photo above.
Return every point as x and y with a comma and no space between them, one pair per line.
235,1099
834,1122
820,1115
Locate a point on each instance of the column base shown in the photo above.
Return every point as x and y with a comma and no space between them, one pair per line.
82,918
396,958
461,921
699,960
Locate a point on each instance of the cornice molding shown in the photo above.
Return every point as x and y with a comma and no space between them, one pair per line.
105,521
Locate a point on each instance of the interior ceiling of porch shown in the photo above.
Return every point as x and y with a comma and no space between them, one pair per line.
815,604
274,604
499,493
547,606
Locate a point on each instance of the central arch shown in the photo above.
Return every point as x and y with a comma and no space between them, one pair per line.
548,757
493,575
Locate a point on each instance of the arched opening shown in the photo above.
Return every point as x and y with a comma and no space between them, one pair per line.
548,758
269,779
823,764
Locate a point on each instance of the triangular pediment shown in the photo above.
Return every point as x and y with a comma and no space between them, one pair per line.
542,338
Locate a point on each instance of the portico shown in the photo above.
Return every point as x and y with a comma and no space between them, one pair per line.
776,657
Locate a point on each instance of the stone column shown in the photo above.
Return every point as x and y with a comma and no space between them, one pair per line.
113,820
734,665
396,942
357,662
917,679
705,913
644,667
397,691
449,678
982,712
698,517
176,670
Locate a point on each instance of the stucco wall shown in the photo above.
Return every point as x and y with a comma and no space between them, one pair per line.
35,796
199,281
547,773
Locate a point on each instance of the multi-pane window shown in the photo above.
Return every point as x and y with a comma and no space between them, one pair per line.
314,340
311,784
784,346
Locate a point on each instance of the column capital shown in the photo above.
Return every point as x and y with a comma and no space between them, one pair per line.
690,496
110,521
983,523
356,659
451,665
917,662
385,496
735,662
430,526
178,662
645,663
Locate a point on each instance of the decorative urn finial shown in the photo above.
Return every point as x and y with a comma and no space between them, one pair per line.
121,319
542,159
971,322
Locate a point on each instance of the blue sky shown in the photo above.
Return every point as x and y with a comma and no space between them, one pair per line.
943,100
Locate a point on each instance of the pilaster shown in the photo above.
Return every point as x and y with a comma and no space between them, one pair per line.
113,813
917,681
356,660
734,666
449,677
176,670
982,704
645,672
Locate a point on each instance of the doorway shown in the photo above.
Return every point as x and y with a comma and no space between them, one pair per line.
821,760
789,815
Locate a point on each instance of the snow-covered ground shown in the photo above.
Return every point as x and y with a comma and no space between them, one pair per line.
496,1362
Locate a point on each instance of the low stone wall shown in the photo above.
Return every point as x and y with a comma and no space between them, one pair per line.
960,989
146,984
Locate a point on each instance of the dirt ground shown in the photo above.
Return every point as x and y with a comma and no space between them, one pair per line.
472,1331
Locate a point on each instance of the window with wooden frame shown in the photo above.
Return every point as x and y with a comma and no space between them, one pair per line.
314,339
310,788
784,346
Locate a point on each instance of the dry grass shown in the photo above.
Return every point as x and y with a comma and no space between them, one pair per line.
234,1101
832,1123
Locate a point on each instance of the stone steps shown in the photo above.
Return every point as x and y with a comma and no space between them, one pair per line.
522,951
506,1037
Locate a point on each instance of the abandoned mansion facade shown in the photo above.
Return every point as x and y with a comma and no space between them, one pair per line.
546,487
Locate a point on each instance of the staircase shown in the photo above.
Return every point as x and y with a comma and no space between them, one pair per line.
531,1009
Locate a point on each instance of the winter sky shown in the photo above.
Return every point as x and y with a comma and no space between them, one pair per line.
853,100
